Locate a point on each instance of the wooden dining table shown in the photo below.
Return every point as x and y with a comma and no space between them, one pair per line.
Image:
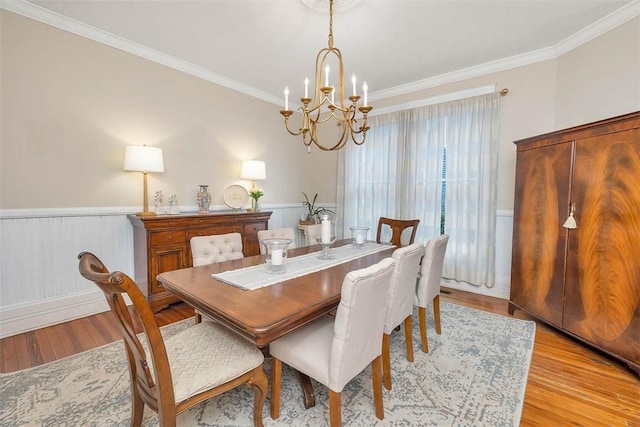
265,314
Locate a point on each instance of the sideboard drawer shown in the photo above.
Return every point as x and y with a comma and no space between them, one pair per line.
166,237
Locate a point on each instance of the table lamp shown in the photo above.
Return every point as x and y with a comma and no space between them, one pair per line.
253,169
140,158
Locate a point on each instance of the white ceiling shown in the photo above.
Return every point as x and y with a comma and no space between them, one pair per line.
259,46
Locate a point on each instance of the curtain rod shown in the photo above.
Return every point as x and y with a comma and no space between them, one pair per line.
438,99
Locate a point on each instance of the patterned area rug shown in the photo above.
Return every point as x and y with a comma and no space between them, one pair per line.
475,374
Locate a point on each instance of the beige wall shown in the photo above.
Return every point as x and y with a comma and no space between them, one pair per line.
71,105
601,78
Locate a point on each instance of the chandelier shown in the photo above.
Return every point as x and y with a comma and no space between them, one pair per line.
329,106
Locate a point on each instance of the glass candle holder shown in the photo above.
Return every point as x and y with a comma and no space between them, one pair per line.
325,233
276,252
359,235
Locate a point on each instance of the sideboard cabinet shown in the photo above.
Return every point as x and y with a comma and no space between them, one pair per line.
583,280
161,243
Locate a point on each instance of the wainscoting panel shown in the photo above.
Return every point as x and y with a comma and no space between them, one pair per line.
39,280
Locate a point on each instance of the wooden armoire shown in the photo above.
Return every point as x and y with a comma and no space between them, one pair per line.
583,280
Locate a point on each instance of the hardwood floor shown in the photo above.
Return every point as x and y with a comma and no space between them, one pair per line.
569,383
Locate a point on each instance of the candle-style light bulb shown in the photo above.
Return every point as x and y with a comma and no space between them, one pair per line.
353,82
306,87
326,76
286,97
365,89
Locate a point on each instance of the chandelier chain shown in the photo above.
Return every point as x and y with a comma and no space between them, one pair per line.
330,24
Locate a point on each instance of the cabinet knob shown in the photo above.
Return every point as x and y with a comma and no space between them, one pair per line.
170,237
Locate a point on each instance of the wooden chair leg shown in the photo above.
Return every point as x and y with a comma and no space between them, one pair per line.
376,374
335,412
436,313
422,320
137,406
408,338
198,317
386,361
260,385
276,375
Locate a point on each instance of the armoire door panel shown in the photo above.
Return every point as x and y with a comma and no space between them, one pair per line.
542,198
602,302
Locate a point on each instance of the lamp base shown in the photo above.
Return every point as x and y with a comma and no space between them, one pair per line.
146,214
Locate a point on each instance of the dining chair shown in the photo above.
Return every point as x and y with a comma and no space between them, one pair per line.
428,289
398,226
279,233
215,248
178,372
400,299
333,350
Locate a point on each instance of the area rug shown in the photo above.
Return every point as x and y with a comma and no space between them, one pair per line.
475,374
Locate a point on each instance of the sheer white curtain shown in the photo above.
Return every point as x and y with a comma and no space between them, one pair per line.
398,173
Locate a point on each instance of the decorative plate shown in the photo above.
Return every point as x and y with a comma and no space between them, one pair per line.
236,196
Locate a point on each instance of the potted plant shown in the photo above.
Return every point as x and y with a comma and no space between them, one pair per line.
255,194
312,209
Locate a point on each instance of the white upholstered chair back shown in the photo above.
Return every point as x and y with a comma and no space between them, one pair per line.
431,270
399,305
334,350
216,248
428,288
403,284
278,233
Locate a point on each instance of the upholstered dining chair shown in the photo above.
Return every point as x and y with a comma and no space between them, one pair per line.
397,228
178,372
278,233
428,289
215,248
400,299
333,350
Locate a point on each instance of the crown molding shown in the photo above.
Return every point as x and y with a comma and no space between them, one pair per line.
38,13
609,22
583,36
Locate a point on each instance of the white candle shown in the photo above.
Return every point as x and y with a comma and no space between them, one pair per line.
286,97
359,238
276,257
326,76
365,89
353,82
326,231
306,87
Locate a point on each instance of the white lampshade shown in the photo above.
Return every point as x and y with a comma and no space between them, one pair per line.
253,169
140,158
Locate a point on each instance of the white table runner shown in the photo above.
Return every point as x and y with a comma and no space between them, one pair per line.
256,277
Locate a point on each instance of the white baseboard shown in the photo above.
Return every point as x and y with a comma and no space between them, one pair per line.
35,315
